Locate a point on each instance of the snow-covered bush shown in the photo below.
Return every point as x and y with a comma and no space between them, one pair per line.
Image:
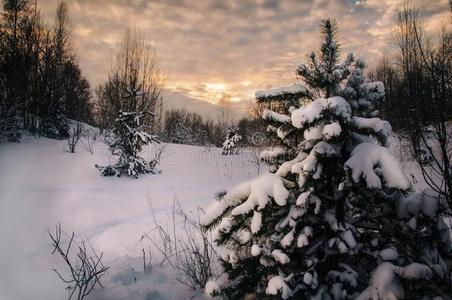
230,146
327,224
127,141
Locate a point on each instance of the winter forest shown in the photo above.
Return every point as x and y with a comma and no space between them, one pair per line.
225,150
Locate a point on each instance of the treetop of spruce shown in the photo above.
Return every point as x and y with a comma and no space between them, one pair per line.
327,222
323,73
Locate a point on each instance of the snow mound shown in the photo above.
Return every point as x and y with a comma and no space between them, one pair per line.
375,164
375,124
256,222
310,163
374,90
256,250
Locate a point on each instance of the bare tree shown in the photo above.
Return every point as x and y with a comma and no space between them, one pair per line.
426,79
411,73
438,140
134,82
391,109
75,133
85,268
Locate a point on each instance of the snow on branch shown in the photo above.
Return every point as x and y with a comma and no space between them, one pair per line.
331,130
375,90
385,281
247,196
275,117
310,163
283,93
376,126
262,189
315,110
231,198
278,286
375,164
272,155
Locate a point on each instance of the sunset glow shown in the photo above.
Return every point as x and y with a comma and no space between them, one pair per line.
215,87
225,149
210,49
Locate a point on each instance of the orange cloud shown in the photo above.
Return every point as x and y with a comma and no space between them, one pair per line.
216,47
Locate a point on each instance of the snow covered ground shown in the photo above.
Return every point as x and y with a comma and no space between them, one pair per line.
41,185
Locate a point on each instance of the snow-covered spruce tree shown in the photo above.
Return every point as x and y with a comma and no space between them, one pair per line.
327,217
129,136
231,145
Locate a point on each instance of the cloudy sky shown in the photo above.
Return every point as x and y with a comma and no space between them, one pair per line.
214,49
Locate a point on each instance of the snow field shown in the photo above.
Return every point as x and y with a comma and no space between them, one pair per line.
42,185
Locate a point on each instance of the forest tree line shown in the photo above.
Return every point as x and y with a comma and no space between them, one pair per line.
417,77
42,86
41,83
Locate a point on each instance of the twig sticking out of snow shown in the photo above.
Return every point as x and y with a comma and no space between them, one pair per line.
85,270
189,252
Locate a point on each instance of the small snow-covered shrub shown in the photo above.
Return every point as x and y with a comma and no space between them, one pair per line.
128,138
230,146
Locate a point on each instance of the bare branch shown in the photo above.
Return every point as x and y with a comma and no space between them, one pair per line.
86,268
